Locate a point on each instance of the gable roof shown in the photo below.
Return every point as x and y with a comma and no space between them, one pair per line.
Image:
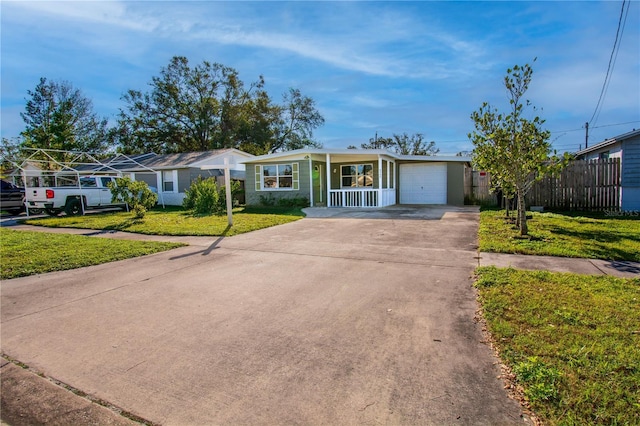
609,142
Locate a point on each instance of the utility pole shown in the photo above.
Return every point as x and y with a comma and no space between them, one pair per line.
586,136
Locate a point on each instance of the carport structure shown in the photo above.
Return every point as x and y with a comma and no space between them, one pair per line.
50,167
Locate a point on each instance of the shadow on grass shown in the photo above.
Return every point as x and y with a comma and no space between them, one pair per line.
209,249
611,235
124,225
612,215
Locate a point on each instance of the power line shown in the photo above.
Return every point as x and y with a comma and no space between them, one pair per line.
619,124
614,55
595,127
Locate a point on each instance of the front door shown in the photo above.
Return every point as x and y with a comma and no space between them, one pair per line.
318,188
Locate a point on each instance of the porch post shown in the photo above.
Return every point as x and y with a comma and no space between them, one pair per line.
379,202
388,174
310,182
328,159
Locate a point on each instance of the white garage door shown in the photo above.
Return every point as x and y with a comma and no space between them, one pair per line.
423,183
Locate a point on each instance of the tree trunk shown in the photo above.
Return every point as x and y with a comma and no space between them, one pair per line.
522,214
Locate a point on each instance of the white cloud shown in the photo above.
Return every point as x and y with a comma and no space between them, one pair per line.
91,12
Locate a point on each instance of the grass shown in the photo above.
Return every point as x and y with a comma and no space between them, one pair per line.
176,221
594,236
573,342
26,253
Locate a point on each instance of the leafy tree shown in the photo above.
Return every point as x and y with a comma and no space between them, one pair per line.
515,150
135,193
402,144
377,143
208,107
257,129
10,154
187,109
414,145
60,117
298,119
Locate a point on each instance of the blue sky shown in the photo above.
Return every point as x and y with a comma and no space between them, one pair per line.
385,67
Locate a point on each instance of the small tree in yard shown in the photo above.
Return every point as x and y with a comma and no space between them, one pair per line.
136,194
515,150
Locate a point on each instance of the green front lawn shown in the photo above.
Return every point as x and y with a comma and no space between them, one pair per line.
25,253
572,341
176,221
593,236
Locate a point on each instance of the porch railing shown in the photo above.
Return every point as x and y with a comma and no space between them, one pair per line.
362,197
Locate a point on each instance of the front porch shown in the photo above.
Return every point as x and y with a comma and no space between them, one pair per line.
362,197
360,181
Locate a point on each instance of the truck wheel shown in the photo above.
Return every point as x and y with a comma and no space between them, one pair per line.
52,212
73,207
35,211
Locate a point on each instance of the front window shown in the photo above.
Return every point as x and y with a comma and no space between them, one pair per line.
167,181
277,176
356,175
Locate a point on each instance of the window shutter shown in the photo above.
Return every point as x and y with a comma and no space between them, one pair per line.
258,178
296,176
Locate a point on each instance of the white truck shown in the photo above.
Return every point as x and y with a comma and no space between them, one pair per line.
88,192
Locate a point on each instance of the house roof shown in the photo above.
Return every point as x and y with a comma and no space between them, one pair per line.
188,159
152,161
299,153
609,142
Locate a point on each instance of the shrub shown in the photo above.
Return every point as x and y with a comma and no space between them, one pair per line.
204,196
136,194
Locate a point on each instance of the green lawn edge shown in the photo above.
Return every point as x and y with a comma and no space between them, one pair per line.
591,236
176,221
25,253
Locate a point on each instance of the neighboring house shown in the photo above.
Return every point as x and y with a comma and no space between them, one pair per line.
355,178
627,148
172,174
29,171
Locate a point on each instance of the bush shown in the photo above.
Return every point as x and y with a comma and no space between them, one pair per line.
136,194
205,197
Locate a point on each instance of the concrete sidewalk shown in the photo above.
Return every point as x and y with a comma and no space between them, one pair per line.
622,269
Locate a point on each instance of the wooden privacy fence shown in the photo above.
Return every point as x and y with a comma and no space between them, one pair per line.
582,185
477,188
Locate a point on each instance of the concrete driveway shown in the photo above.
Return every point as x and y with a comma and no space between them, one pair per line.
320,321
